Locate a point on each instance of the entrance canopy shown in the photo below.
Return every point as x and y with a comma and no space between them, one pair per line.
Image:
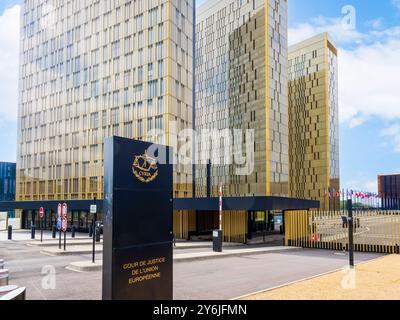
200,204
245,204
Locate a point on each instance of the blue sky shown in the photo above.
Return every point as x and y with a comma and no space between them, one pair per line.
369,70
370,117
8,3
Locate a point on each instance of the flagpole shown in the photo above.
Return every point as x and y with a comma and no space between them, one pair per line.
329,199
362,199
370,200
334,200
344,199
220,206
327,196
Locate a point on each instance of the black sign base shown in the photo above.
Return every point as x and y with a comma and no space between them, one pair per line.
137,254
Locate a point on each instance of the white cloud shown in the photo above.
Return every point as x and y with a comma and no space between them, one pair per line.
375,23
362,184
9,61
396,3
369,82
369,69
334,26
392,134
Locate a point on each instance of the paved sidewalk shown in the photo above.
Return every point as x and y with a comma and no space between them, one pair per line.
84,246
85,266
88,241
70,241
178,257
203,245
71,250
25,235
375,280
192,256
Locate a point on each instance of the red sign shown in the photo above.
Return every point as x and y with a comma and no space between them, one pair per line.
41,213
59,209
64,223
64,210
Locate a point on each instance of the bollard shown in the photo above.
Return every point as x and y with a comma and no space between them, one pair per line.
351,233
9,232
217,241
4,274
33,231
59,239
54,232
65,240
41,231
73,231
90,231
97,234
1,264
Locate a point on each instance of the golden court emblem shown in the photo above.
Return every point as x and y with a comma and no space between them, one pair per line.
145,168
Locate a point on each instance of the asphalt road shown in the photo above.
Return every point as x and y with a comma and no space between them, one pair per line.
233,277
225,278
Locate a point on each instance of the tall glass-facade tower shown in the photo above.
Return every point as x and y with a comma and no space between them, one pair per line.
241,83
90,69
314,121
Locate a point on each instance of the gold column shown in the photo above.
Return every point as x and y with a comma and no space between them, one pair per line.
267,142
327,110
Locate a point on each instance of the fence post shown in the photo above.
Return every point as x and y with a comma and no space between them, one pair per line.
284,227
351,242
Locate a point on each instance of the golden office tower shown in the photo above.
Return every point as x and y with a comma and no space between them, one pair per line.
93,69
314,120
241,83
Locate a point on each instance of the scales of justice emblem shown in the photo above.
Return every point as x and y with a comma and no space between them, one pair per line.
145,168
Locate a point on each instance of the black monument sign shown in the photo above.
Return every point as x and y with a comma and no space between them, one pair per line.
137,256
